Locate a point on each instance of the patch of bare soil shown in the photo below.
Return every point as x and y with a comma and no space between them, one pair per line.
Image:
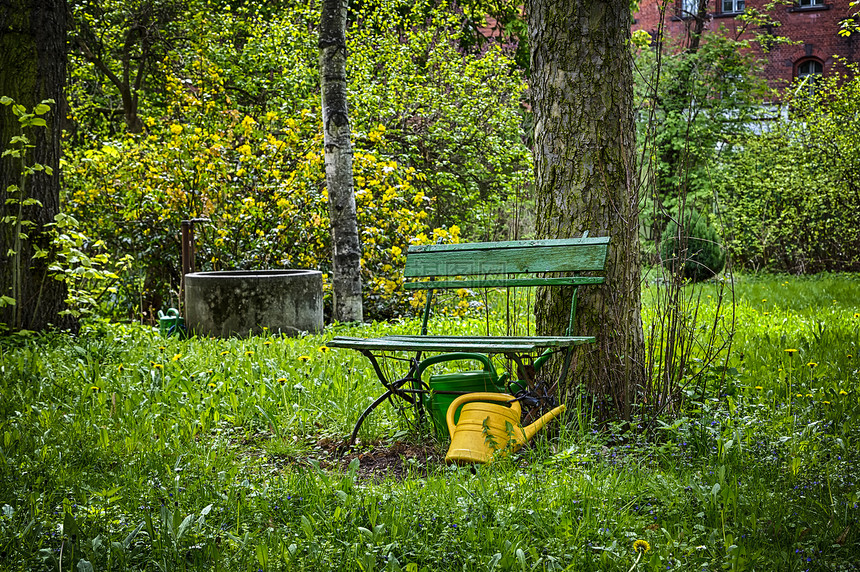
397,460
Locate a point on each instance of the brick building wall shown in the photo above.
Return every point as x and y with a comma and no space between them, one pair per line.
814,25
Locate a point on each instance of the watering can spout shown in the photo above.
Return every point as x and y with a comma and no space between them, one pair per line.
543,420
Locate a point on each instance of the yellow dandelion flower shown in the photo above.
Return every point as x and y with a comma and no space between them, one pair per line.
790,351
799,395
121,368
324,349
249,353
267,343
826,402
282,380
304,358
764,300
641,546
843,392
161,348
176,357
808,395
225,353
211,386
812,364
157,366
758,387
95,389
856,315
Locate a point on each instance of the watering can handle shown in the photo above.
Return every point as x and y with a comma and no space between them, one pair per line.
455,356
479,396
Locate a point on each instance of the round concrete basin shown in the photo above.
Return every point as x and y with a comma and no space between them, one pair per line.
244,302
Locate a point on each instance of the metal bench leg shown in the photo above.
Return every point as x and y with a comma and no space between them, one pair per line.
391,389
364,415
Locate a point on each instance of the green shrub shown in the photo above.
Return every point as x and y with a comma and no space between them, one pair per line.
789,194
232,133
696,246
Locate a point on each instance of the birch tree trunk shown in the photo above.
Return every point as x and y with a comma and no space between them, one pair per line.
338,164
582,90
32,69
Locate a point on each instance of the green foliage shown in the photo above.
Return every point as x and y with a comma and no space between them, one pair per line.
694,102
89,273
232,133
16,204
692,248
791,192
459,126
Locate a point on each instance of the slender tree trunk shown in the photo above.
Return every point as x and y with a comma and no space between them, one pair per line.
338,163
32,69
582,91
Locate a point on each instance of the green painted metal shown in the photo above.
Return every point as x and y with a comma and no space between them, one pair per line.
505,282
426,317
490,345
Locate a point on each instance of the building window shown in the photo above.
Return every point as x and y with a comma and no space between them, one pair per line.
732,6
810,3
808,72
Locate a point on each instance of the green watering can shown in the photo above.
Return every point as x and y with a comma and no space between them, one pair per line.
170,323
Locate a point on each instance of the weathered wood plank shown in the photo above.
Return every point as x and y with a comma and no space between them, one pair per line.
507,244
504,282
481,261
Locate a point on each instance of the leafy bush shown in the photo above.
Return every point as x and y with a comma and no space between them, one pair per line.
694,248
791,192
244,149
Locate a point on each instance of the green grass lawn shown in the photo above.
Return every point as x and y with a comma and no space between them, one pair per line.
123,451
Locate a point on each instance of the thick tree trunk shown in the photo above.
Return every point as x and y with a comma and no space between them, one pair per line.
582,91
338,164
32,69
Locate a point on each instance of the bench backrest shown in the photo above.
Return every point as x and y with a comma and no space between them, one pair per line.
489,260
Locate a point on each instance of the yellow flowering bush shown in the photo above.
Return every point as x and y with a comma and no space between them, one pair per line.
260,182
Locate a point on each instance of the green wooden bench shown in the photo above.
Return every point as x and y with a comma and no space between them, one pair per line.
524,263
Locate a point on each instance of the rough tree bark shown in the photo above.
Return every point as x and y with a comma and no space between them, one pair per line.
584,150
32,69
338,164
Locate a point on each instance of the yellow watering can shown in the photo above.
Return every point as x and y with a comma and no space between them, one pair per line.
486,430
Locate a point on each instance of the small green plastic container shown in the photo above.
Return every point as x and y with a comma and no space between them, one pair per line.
168,321
437,404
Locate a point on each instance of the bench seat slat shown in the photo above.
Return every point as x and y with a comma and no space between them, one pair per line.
487,344
504,283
